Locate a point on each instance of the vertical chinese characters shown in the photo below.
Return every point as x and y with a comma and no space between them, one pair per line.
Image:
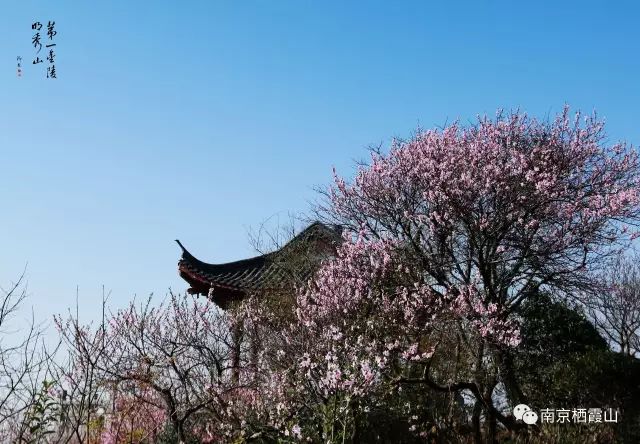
51,33
49,44
19,71
36,41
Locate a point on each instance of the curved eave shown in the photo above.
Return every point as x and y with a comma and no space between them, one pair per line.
221,295
234,280
215,269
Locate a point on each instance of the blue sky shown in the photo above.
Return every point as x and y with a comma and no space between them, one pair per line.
198,120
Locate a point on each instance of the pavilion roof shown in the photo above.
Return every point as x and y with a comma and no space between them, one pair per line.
229,281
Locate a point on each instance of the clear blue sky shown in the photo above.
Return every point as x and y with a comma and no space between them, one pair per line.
197,120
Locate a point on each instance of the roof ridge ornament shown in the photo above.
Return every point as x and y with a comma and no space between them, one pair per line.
181,246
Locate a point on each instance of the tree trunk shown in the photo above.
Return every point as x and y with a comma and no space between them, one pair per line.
181,435
475,421
491,427
509,379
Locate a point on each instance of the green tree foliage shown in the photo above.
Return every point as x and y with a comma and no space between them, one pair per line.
551,333
563,362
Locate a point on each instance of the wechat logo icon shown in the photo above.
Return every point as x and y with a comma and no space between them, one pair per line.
524,413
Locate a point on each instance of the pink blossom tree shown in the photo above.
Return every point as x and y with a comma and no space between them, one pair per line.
615,305
445,236
480,218
358,332
171,362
